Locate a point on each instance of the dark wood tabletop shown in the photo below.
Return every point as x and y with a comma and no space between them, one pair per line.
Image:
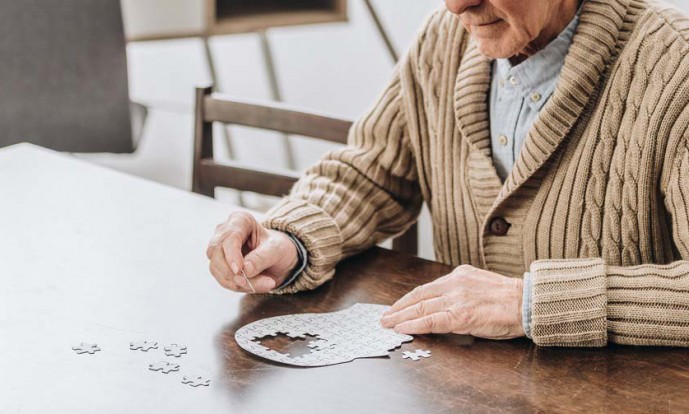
88,254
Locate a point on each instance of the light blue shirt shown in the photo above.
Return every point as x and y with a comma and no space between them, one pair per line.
517,96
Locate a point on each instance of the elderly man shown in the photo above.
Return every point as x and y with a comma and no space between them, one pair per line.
550,140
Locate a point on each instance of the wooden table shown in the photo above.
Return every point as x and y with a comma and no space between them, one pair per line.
89,254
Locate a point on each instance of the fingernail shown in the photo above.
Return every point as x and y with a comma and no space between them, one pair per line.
239,280
235,267
385,322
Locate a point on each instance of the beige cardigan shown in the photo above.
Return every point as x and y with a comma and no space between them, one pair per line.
597,203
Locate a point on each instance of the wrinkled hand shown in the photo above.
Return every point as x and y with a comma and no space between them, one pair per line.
267,256
467,301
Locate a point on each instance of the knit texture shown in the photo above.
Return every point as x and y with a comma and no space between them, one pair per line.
597,202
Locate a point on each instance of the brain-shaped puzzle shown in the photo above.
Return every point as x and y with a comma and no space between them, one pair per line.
352,333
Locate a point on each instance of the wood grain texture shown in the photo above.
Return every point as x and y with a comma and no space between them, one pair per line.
90,254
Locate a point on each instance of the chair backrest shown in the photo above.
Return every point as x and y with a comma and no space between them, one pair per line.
64,75
209,174
210,108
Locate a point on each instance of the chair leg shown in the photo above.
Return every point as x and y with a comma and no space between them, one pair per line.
407,242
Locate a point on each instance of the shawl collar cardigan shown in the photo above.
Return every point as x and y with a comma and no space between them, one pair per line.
597,202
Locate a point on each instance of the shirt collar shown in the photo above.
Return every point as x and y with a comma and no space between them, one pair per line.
538,73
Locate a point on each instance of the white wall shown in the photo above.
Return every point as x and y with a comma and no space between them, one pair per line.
337,68
682,4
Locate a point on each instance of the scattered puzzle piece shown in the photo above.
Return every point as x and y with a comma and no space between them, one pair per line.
86,348
196,380
175,350
143,345
416,355
163,366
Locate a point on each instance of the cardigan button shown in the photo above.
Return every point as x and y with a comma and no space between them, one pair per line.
498,226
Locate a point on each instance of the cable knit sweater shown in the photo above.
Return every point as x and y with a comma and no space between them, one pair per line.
597,203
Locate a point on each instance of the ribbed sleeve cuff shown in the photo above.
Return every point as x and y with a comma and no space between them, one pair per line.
569,303
317,231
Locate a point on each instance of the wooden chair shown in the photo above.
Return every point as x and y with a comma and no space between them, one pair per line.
208,174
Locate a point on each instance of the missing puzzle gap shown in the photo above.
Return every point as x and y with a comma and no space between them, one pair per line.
286,345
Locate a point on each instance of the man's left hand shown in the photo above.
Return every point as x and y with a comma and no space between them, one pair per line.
468,301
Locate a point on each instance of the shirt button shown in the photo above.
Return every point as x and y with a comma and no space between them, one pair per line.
501,82
513,80
498,226
535,97
502,140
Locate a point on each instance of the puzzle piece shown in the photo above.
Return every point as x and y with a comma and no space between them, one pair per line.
86,348
175,350
163,366
196,380
416,355
143,345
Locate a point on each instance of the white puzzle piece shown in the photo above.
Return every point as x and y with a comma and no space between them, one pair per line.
144,346
196,380
86,348
342,336
416,355
163,366
175,350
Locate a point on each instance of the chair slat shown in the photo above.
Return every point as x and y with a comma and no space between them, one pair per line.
244,179
276,117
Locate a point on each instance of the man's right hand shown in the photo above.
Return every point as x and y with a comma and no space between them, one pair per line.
266,256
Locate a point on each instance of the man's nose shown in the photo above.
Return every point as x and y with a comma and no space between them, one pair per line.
460,6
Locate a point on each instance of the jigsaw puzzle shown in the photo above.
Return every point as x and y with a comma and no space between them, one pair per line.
342,336
143,345
86,348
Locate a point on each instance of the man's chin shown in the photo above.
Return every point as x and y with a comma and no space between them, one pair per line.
491,50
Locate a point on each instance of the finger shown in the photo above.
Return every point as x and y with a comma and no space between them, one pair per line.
439,323
219,235
421,309
227,284
215,240
260,283
238,232
261,258
420,293
232,247
221,272
219,262
239,222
